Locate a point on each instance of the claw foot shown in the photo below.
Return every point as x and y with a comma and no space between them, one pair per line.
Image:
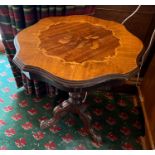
46,124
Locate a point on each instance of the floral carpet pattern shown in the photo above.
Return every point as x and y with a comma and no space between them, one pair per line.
114,117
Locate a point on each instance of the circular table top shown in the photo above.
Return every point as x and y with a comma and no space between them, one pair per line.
78,47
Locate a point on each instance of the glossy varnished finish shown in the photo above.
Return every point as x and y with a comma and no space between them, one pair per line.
78,48
75,53
78,42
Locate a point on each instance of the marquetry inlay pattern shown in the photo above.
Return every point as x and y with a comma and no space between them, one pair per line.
78,47
78,42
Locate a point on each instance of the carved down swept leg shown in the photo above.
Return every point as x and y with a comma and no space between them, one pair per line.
58,112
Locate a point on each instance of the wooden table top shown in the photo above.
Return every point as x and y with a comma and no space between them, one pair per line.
78,47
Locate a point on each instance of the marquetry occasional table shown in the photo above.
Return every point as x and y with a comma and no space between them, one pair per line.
76,53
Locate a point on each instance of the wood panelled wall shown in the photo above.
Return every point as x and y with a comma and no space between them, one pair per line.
141,24
148,102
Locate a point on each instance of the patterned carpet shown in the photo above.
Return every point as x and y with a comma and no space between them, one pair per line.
114,117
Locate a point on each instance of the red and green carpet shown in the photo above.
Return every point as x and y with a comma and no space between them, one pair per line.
114,117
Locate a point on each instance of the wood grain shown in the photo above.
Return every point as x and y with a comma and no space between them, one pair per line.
147,90
79,42
78,47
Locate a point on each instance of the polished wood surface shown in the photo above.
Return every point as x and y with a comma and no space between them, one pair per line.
78,42
78,47
75,53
